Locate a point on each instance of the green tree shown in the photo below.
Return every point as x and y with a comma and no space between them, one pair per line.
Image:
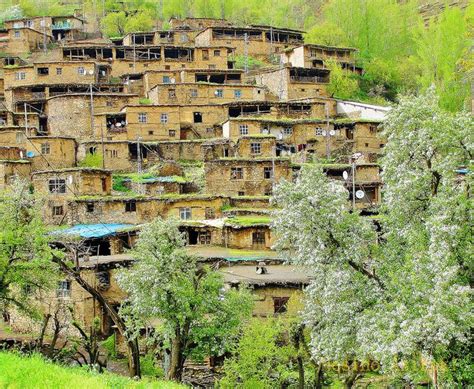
25,256
342,83
198,316
113,24
140,22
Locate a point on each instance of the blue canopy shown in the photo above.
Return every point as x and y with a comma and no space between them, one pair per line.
93,230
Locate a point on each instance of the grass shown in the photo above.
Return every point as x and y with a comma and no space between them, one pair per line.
34,372
248,221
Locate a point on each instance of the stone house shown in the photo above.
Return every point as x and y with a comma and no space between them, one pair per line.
142,209
293,82
257,41
278,289
245,176
316,56
204,93
25,39
61,185
11,169
255,146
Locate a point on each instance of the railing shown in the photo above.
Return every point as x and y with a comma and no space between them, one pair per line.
61,26
315,79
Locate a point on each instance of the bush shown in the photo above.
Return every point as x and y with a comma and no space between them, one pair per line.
92,160
109,345
149,368
145,101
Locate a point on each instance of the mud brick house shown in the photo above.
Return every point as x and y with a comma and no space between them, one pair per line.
245,176
138,209
60,185
204,93
256,146
258,41
47,152
316,56
12,169
287,82
278,289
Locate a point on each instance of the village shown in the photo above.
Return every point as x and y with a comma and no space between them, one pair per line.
179,124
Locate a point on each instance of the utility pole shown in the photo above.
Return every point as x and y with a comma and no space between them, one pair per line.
328,143
246,54
134,52
353,184
26,120
92,110
103,146
139,156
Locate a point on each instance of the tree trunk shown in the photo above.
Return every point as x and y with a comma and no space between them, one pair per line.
351,378
175,371
300,372
134,358
318,376
43,330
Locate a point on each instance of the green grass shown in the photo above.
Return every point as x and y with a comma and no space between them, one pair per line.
35,373
247,221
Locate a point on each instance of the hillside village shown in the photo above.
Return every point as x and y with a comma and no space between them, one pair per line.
115,132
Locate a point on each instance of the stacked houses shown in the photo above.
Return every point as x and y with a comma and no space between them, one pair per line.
116,132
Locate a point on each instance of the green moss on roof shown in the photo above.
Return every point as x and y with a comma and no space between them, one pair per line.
248,221
255,159
259,136
356,120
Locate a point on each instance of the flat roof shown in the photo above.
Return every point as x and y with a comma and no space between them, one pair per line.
90,231
276,274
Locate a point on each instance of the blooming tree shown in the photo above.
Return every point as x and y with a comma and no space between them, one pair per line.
409,294
197,316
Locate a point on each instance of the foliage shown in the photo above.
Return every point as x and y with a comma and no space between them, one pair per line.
92,160
113,24
149,367
33,371
252,63
25,256
109,346
118,184
406,297
341,84
198,318
145,101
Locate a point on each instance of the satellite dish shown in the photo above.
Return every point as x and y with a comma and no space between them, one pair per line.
345,175
91,72
69,179
173,80
30,154
21,154
360,194
332,132
119,124
324,133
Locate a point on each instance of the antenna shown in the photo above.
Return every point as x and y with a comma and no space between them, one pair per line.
328,144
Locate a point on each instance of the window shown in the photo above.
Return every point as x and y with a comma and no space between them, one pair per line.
112,153
20,137
185,213
81,71
43,71
319,131
130,65
109,104
142,117
240,193
57,210
164,118
287,131
219,93
244,129
166,80
89,207
171,93
167,67
217,53
131,206
209,213
104,184
255,148
205,237
237,93
212,66
280,304
64,289
366,145
57,185
151,132
20,76
209,130
193,92
45,148
172,133
258,238
17,33
197,116
267,173
236,173
205,55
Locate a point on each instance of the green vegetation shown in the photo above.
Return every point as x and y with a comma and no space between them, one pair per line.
92,160
252,63
248,221
144,101
109,345
26,372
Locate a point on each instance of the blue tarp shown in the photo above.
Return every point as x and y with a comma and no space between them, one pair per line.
93,230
